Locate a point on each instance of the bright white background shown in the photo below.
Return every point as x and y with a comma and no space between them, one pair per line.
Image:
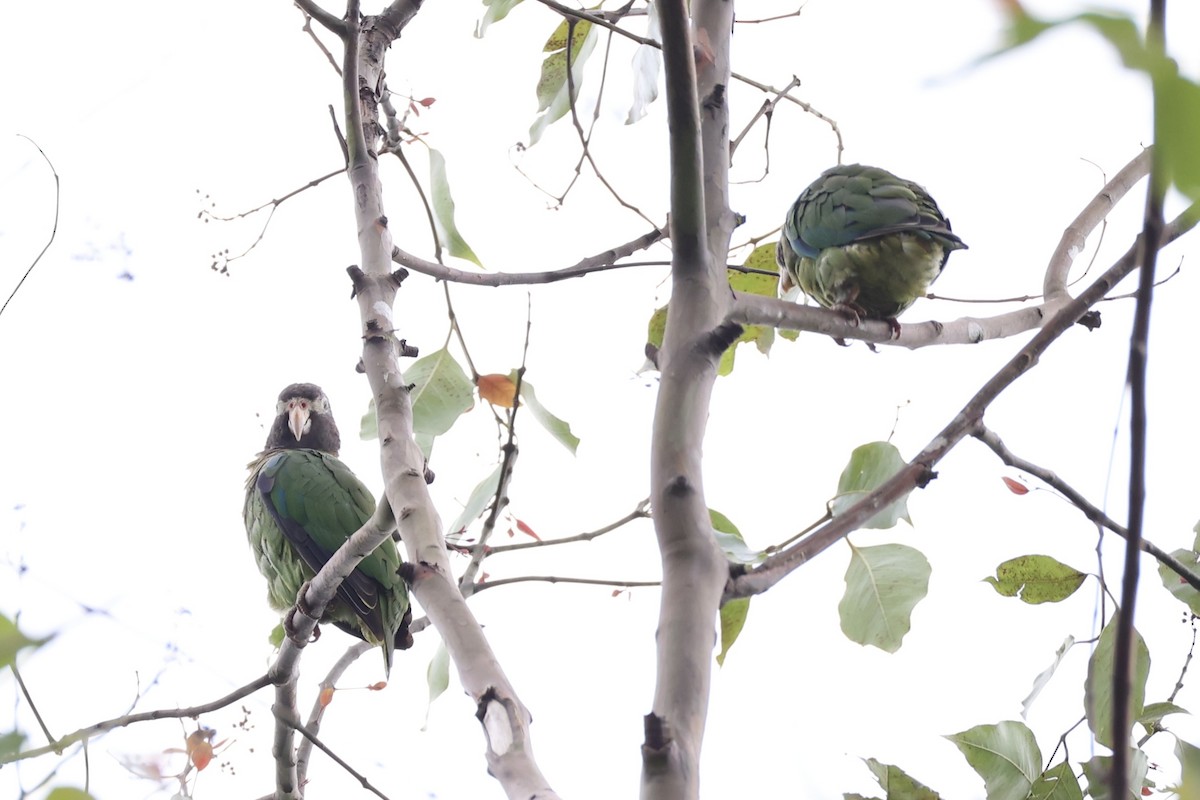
136,384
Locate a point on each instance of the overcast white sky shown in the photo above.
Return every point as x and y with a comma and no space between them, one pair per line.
137,382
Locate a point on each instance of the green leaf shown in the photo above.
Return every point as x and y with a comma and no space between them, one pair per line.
763,337
1005,755
870,466
733,613
441,392
559,429
496,11
1044,677
1189,761
443,210
437,676
897,784
1153,713
553,88
1036,579
65,793
733,617
13,641
883,584
1176,98
731,541
10,743
1098,770
476,504
1097,695
1177,586
1177,129
275,637
1057,783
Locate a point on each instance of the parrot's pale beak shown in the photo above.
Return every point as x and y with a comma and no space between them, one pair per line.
298,420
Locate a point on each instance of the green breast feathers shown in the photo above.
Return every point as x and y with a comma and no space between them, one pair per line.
301,504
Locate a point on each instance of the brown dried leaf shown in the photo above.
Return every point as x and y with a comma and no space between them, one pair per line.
498,390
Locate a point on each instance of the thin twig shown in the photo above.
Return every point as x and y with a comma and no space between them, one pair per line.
1094,514
765,110
326,19
507,464
304,751
312,737
479,587
29,699
53,228
642,511
308,28
83,734
600,262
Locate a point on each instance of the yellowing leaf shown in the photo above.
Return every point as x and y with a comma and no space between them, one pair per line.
12,640
1036,579
498,390
553,87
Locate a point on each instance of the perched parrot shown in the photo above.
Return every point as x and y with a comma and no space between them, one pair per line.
861,241
301,504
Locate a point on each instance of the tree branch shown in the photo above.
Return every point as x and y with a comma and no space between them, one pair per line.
428,568
641,512
758,310
479,587
1094,514
696,63
327,20
84,734
1075,236
920,470
596,263
1149,244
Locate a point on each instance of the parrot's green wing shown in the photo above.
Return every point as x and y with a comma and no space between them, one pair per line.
301,505
864,240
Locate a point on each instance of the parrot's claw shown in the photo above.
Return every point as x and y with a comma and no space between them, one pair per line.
289,621
895,327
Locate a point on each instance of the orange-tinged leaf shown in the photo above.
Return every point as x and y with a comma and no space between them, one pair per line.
525,529
378,687
498,390
1015,486
326,696
199,747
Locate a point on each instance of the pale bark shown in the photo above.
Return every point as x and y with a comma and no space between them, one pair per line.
694,569
504,718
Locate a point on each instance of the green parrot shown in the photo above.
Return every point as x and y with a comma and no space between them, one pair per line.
863,242
301,504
